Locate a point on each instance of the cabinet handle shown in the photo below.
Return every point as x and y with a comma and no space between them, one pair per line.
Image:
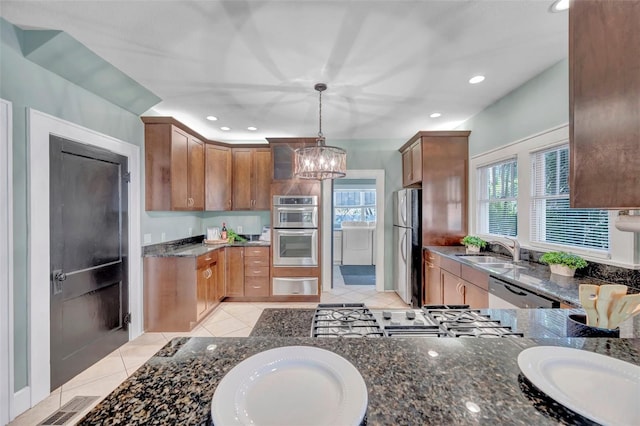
208,273
255,286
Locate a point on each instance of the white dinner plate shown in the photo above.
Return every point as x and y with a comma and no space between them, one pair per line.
293,385
601,388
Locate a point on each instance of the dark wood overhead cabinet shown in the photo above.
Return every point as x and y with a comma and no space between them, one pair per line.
217,178
251,178
174,168
604,103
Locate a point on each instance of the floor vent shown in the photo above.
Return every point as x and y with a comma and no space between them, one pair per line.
68,411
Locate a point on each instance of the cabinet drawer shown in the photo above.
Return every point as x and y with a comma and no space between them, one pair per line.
478,278
256,252
450,265
207,259
256,261
256,271
256,286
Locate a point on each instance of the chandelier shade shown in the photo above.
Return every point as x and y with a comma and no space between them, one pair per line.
320,162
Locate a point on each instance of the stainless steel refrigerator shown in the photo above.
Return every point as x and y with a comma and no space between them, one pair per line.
407,249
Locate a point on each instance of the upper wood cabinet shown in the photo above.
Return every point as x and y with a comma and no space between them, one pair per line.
283,154
604,104
217,177
444,161
412,164
174,169
251,178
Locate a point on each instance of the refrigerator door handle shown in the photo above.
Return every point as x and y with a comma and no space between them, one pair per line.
403,246
403,208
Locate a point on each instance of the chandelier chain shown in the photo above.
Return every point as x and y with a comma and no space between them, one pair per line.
320,115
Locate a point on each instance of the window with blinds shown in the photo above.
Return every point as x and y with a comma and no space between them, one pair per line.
497,198
552,220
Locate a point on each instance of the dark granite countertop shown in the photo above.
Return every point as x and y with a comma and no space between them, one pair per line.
198,249
406,383
534,276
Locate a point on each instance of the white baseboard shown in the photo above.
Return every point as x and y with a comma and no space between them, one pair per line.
21,402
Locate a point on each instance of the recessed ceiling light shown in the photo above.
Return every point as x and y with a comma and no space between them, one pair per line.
559,6
476,79
252,128
435,115
212,118
225,128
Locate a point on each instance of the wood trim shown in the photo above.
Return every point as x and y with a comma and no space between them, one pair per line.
434,133
296,298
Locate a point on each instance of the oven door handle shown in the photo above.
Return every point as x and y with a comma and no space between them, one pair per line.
283,232
519,293
294,209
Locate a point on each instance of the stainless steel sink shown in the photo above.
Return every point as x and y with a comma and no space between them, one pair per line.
483,259
502,265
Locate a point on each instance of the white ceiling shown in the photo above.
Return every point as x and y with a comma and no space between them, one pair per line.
388,64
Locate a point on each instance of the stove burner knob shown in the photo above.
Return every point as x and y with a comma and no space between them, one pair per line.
395,323
411,315
386,315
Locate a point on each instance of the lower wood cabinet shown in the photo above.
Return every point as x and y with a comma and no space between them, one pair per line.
181,291
450,282
248,271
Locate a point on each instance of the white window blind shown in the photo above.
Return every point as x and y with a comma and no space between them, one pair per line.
497,198
552,220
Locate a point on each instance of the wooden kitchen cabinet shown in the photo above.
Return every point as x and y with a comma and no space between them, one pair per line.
432,282
174,168
248,271
412,165
180,291
604,104
282,153
463,285
235,272
443,176
217,178
251,179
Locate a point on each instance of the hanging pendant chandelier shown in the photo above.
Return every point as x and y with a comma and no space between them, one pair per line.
321,161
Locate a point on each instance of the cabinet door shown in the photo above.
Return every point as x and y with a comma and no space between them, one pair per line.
221,287
212,286
217,178
196,174
241,185
604,104
433,284
235,268
179,169
261,179
204,274
406,168
452,289
475,297
416,162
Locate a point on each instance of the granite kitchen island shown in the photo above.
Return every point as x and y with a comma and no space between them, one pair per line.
409,380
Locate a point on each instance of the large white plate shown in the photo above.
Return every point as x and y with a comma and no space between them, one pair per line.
599,387
293,385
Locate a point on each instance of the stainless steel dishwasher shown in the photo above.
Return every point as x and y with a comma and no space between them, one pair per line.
504,295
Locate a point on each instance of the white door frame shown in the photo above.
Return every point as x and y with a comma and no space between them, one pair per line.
327,226
6,263
40,126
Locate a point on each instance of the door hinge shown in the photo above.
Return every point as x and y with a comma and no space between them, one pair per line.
126,320
127,177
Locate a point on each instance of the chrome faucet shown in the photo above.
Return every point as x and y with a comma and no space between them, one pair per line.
514,250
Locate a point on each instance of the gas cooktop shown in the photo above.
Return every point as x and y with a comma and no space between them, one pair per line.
357,320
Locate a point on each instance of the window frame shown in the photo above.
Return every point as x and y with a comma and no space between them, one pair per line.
483,203
623,245
361,206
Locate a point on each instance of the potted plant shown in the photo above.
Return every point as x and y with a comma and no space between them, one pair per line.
562,263
473,244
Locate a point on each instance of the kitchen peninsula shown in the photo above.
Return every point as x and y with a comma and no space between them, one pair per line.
409,380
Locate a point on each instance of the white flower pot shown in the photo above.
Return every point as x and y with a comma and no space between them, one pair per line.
562,270
473,249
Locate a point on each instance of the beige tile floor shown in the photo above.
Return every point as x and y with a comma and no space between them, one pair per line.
227,320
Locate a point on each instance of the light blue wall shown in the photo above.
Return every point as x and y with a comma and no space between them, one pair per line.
538,105
375,155
28,85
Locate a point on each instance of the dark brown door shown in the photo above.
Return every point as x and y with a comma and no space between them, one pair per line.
89,271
